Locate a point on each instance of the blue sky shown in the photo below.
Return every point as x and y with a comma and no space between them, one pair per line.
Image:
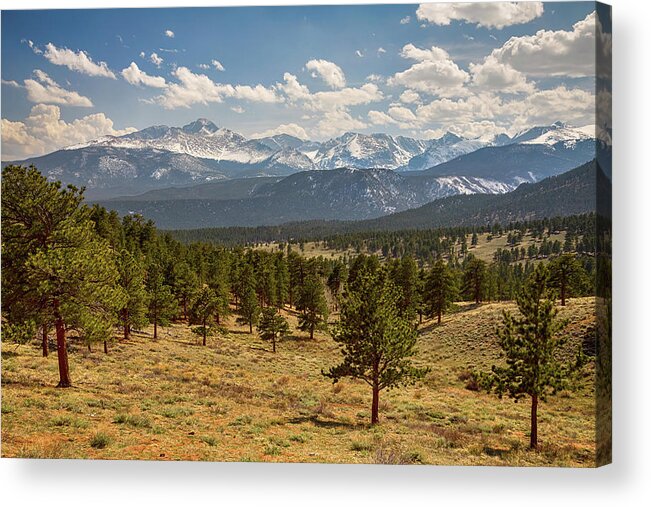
312,71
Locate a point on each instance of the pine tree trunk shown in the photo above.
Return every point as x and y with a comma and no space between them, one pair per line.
155,329
204,331
89,349
105,347
533,444
439,315
45,347
62,351
562,294
375,407
185,309
125,324
250,327
311,332
217,318
273,344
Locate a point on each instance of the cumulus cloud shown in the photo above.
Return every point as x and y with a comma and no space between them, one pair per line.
13,84
43,89
405,20
486,14
291,129
553,53
133,75
409,97
329,72
495,76
169,33
155,59
381,50
359,53
237,109
379,118
194,88
43,131
78,61
340,99
217,64
203,66
335,123
434,73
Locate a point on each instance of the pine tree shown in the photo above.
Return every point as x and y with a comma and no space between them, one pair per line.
282,280
376,341
312,305
440,290
272,326
336,279
566,275
55,266
203,311
474,278
404,274
185,284
133,315
532,347
162,304
249,309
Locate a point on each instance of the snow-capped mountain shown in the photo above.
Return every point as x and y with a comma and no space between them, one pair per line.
201,139
361,151
441,150
161,156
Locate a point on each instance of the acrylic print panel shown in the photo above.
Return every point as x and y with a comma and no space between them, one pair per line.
338,234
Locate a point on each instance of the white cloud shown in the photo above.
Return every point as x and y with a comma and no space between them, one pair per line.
291,129
359,53
142,54
237,109
491,75
329,100
203,66
334,123
402,114
133,75
374,78
169,33
13,84
486,14
194,88
78,61
155,59
405,20
43,89
553,53
381,50
329,72
43,131
217,64
409,97
434,72
380,118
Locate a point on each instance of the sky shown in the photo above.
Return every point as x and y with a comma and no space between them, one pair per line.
478,69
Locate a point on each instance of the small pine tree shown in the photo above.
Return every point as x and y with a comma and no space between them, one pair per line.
474,278
272,326
376,341
532,344
440,290
185,284
203,311
162,304
312,305
249,309
566,275
133,315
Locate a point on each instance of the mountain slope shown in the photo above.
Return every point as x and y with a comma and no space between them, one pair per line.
337,194
518,163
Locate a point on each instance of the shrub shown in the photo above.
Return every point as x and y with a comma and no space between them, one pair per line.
100,441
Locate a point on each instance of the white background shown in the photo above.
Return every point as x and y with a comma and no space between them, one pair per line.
626,482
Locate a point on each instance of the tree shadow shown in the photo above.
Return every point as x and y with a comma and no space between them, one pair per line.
314,419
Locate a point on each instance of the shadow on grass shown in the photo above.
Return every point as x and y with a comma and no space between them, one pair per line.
314,419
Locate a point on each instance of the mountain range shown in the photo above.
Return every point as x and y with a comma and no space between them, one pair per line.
160,157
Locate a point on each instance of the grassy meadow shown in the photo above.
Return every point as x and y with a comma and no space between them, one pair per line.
234,400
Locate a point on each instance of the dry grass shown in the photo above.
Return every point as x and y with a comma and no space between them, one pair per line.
234,400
